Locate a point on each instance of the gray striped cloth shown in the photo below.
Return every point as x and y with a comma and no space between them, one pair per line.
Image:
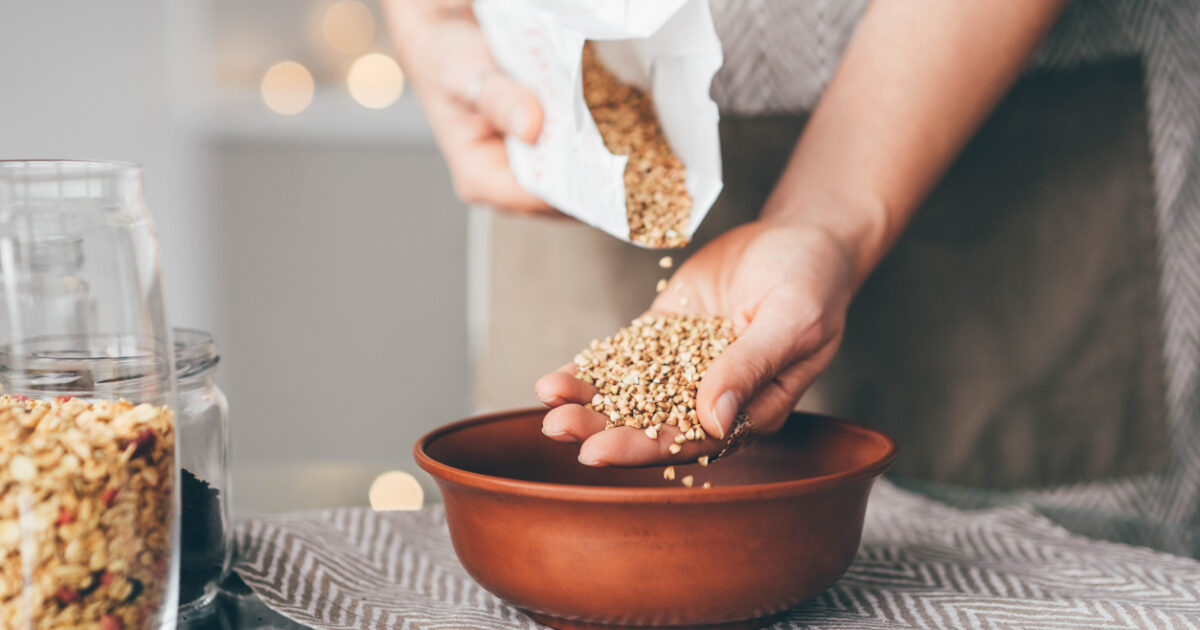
781,54
922,564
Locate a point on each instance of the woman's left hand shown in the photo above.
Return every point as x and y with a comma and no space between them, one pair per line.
786,286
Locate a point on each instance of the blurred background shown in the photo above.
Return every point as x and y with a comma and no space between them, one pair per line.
304,216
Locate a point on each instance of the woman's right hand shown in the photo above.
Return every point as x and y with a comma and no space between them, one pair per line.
785,284
470,104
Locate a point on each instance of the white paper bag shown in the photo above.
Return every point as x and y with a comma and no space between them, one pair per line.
668,48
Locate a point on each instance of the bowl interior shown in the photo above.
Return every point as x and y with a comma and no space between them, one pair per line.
512,446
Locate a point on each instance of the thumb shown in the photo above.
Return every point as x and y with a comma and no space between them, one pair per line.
780,333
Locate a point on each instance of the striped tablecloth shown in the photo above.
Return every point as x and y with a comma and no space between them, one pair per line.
922,564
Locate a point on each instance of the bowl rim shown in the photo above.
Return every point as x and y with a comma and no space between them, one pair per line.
615,494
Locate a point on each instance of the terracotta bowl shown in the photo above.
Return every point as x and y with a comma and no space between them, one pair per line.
579,547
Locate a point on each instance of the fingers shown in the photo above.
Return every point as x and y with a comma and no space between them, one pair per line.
561,387
510,107
569,421
783,332
771,405
573,423
470,104
482,176
627,446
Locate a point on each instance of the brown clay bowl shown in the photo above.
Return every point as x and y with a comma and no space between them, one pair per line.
600,548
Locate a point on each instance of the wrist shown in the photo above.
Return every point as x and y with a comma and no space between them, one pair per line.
860,224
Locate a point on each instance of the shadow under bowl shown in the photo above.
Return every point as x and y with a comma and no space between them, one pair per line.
579,547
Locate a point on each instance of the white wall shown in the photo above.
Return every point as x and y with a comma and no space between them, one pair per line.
326,252
344,269
93,80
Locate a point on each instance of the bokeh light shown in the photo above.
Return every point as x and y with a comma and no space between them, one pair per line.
395,490
287,88
375,80
348,27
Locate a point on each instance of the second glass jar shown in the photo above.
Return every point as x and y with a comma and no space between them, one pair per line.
203,419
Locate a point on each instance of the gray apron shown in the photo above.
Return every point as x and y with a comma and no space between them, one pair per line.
1012,338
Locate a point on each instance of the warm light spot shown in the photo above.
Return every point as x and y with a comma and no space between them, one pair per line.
375,80
287,88
348,27
396,490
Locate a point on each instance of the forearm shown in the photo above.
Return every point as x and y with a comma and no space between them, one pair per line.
917,80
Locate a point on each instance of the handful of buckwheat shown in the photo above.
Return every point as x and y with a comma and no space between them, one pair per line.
647,374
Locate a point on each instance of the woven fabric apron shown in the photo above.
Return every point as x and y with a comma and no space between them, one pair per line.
1012,337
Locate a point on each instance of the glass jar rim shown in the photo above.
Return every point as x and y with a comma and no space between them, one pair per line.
48,196
195,352
53,357
44,255
75,365
65,168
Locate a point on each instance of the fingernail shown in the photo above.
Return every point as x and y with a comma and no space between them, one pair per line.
559,435
518,122
587,461
552,401
724,411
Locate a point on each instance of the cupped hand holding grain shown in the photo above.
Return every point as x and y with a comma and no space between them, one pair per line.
785,286
470,104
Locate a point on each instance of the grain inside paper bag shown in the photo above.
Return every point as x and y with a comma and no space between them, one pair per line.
657,203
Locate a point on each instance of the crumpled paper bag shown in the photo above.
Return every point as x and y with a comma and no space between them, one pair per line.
669,48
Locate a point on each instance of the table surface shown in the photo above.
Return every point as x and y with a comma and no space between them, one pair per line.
922,562
237,608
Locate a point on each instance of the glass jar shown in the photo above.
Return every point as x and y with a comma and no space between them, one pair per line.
205,549
49,295
89,500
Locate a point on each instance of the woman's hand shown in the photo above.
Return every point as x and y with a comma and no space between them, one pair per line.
786,286
471,105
